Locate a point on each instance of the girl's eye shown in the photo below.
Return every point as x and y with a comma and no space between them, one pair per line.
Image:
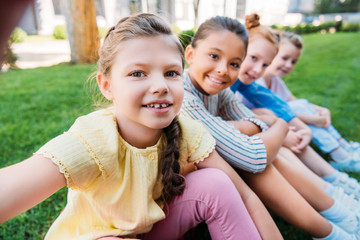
235,65
265,65
253,58
285,58
172,74
214,56
137,74
293,62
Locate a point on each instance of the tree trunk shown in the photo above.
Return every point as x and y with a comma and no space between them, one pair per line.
196,12
82,30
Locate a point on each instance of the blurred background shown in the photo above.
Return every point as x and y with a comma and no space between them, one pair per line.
74,21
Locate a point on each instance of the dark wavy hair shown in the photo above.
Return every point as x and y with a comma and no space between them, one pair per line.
220,23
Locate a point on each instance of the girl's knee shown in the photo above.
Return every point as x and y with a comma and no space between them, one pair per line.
210,180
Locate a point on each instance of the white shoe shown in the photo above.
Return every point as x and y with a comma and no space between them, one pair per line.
351,224
350,185
339,233
348,201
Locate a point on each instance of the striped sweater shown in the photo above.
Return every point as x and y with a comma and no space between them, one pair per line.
239,150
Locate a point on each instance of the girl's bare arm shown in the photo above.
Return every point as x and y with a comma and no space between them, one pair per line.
26,184
273,138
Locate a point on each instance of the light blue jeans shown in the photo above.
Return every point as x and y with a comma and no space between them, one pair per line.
327,139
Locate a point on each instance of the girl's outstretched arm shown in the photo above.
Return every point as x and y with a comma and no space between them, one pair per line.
26,184
261,217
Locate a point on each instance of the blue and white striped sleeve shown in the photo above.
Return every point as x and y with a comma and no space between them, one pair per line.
239,150
233,109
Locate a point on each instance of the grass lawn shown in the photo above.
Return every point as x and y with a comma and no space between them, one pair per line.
39,104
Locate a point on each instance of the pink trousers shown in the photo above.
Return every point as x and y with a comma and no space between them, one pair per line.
209,196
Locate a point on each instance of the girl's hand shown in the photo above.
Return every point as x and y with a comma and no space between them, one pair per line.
188,168
324,112
292,140
319,121
306,138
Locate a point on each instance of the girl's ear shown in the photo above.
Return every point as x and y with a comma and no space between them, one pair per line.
104,86
189,54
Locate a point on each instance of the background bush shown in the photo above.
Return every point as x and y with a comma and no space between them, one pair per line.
305,28
60,32
18,35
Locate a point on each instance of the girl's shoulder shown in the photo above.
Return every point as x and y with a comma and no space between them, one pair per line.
95,120
196,143
90,146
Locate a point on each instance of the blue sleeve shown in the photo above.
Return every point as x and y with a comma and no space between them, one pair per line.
261,97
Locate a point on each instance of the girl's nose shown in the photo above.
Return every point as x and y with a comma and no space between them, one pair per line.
159,85
288,64
221,68
257,68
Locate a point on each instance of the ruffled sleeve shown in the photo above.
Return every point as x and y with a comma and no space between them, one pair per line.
197,143
87,151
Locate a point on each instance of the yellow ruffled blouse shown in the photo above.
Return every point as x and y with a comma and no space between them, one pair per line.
114,188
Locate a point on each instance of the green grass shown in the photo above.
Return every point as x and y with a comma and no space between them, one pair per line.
39,104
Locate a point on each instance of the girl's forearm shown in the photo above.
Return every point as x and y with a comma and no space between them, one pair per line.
273,138
26,184
309,120
246,127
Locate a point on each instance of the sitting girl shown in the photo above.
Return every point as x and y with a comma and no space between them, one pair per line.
215,55
123,164
325,136
257,96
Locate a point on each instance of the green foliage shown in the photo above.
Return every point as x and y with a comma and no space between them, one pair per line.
336,6
176,29
9,58
60,32
39,104
102,32
350,27
18,35
185,37
306,28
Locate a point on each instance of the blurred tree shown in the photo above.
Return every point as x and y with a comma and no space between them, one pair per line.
82,30
337,6
196,12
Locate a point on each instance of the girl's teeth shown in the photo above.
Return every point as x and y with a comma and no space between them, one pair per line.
214,80
158,105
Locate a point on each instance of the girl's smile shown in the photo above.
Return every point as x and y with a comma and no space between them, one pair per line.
285,60
214,65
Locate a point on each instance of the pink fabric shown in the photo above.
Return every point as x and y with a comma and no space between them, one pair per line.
209,196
